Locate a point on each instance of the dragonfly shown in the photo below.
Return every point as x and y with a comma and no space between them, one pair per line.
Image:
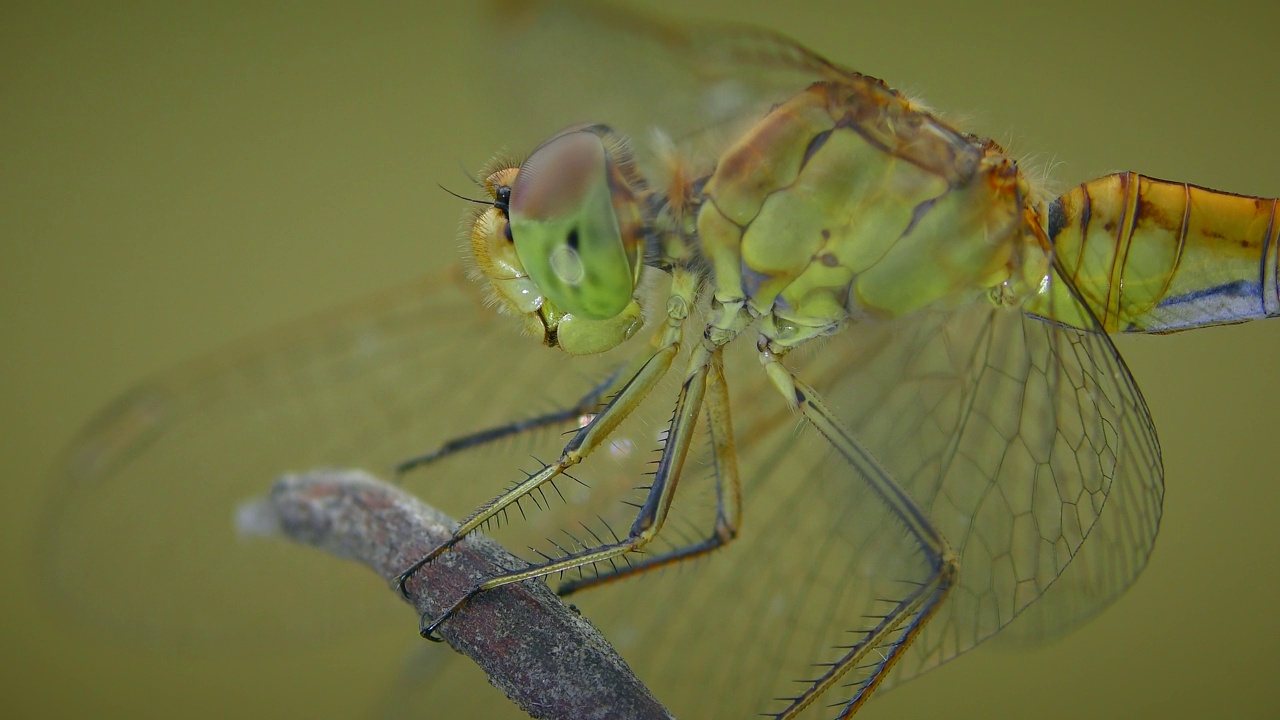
872,353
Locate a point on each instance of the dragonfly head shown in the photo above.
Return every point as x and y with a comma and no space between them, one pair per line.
563,243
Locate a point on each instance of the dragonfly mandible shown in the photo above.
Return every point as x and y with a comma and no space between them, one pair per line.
980,452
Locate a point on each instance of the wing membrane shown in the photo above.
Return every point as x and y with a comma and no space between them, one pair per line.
698,85
142,534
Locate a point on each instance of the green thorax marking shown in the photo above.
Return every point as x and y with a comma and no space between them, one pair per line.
847,201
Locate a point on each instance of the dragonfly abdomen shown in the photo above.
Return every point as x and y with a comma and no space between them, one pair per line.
1151,255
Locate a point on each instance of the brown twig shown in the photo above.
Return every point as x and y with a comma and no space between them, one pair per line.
538,651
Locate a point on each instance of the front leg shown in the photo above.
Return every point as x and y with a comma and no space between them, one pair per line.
652,514
684,286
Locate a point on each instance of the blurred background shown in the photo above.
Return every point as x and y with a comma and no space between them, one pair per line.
174,177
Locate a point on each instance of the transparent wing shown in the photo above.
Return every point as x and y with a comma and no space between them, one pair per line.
142,537
698,85
1035,456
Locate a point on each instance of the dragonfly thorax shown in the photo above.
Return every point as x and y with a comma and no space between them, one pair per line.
847,202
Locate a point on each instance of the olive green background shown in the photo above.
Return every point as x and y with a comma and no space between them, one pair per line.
174,177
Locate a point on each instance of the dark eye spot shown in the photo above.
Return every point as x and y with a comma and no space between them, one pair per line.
572,240
502,199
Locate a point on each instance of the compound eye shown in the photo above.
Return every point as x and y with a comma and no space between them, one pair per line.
566,229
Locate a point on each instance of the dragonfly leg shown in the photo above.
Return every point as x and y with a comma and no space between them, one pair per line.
653,513
883,644
597,431
585,405
728,491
